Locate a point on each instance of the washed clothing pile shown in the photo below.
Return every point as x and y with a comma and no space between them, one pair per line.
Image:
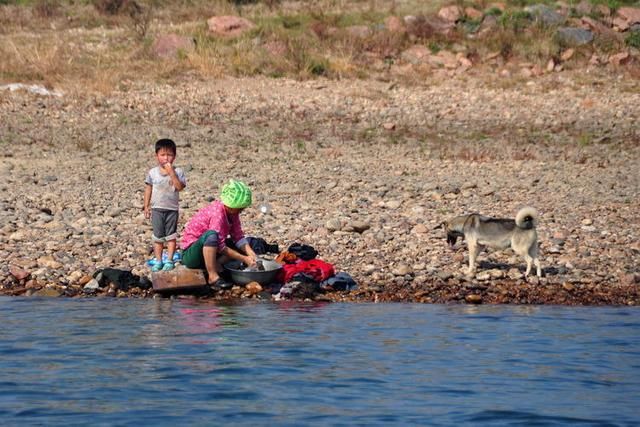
299,264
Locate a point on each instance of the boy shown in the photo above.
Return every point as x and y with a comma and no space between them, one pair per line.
161,200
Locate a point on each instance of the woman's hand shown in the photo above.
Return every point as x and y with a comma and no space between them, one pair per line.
250,261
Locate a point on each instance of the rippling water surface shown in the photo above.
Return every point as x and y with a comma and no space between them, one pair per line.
163,362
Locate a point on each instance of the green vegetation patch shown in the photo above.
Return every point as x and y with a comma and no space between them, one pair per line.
633,39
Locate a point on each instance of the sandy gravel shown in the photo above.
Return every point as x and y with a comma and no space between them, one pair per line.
334,158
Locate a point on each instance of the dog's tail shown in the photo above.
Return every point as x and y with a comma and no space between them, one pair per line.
527,218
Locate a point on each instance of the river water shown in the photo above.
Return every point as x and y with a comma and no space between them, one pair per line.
181,362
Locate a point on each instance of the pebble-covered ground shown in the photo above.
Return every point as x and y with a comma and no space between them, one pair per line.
363,171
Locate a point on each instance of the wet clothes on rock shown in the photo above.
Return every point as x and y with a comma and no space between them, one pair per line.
340,282
316,269
304,252
258,244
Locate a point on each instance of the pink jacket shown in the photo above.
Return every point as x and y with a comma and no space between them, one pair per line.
212,217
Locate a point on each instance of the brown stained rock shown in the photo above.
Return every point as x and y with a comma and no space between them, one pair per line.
253,288
473,299
169,45
47,292
229,26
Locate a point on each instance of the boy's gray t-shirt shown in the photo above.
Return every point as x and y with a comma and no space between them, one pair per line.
163,195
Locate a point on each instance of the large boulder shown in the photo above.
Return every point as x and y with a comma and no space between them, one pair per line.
229,26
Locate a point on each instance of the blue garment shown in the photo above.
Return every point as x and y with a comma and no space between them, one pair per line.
340,282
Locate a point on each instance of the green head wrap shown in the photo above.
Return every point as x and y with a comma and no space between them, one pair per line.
236,195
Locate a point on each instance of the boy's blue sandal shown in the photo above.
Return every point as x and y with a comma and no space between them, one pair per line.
167,266
156,267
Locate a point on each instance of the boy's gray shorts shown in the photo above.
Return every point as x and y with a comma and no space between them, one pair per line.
165,225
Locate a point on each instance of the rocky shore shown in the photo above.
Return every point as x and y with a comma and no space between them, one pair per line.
364,171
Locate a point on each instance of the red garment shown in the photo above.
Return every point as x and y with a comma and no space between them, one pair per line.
317,269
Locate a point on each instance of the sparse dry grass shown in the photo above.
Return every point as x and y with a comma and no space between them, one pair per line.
55,41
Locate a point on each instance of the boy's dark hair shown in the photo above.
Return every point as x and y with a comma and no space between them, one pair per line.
166,143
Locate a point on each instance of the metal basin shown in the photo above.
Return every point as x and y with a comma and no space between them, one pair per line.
238,275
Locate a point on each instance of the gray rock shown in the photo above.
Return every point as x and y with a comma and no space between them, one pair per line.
572,36
402,270
92,285
333,224
544,14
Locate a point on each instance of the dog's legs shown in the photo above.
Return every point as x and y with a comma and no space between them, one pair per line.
529,261
536,261
474,250
532,256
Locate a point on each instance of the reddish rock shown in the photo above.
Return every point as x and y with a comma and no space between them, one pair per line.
84,280
595,26
450,13
630,14
18,272
464,61
473,13
229,26
168,45
621,24
622,58
419,229
416,54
